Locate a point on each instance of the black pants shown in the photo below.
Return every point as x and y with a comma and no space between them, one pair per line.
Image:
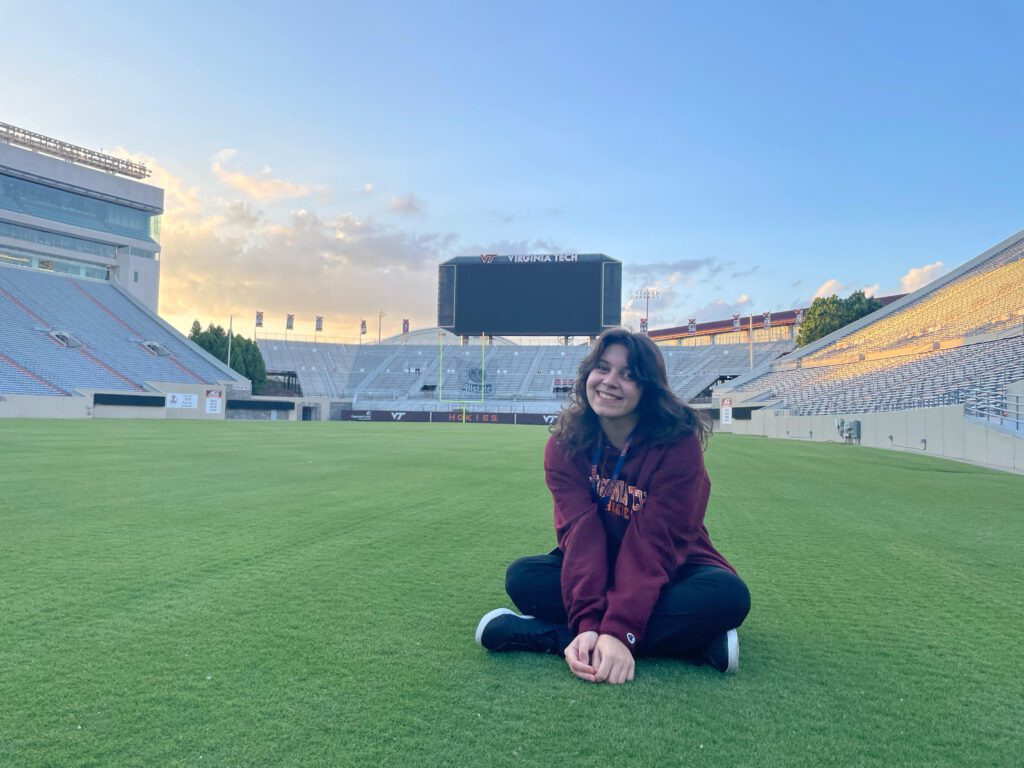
699,604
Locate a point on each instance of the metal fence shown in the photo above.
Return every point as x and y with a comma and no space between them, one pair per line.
1001,408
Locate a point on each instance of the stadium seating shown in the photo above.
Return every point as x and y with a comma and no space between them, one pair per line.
61,333
691,370
987,298
941,377
963,338
510,377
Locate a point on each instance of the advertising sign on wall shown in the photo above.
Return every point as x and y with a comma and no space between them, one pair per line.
215,401
181,400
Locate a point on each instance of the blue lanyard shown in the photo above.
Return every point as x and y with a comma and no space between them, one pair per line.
605,501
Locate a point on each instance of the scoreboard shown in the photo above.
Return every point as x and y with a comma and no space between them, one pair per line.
532,294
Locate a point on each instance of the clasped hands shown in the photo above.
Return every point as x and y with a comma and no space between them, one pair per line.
600,658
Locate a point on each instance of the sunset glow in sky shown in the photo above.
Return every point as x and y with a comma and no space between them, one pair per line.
324,159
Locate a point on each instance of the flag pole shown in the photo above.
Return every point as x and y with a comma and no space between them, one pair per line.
750,331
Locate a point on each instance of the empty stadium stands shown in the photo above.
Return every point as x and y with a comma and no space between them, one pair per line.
59,334
418,376
987,298
940,377
961,338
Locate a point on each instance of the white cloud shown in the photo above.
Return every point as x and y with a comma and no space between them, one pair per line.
660,308
918,277
652,272
829,287
673,308
260,186
407,205
538,245
368,187
671,279
180,201
241,214
223,257
721,309
872,290
343,269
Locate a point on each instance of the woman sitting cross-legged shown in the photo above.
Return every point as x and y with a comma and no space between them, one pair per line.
634,572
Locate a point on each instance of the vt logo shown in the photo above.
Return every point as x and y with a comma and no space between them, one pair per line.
487,258
397,415
550,418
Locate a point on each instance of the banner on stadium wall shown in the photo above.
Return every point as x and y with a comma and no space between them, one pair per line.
402,416
472,417
536,418
450,417
726,413
215,401
181,400
437,417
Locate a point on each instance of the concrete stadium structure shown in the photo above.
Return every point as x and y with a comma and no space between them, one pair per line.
79,280
74,211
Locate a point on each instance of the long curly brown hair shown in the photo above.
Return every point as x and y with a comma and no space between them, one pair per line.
664,418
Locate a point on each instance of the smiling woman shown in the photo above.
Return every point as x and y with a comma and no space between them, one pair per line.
641,368
613,394
634,571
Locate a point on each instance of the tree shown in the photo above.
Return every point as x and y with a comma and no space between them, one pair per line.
238,355
827,315
245,355
217,338
858,304
255,369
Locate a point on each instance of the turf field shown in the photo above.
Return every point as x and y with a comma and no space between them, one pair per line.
266,594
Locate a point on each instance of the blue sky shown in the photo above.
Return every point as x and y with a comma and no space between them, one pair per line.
322,159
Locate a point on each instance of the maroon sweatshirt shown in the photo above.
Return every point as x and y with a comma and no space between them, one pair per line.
617,561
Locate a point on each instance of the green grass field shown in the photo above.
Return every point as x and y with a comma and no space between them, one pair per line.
266,594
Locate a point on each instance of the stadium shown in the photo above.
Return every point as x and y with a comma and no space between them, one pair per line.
229,589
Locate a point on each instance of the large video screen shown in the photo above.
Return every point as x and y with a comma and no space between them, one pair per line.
529,298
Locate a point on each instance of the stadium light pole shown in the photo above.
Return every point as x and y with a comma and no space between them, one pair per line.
231,332
380,317
647,294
